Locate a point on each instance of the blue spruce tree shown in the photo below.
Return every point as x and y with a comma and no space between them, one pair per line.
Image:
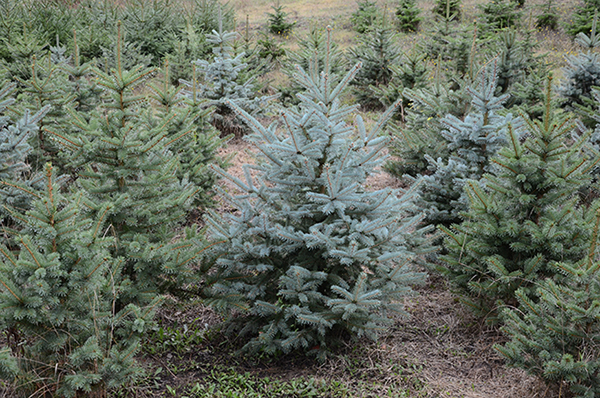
223,81
16,175
581,75
470,142
523,215
312,255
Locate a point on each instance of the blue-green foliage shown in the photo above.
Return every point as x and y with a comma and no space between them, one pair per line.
581,75
523,215
123,152
14,149
554,336
222,81
57,300
311,253
470,142
378,52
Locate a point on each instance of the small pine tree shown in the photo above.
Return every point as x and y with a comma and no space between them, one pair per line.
449,9
471,143
15,174
582,18
410,74
153,26
277,21
523,215
420,135
365,16
451,45
196,140
499,14
581,74
554,337
125,158
191,44
312,255
22,45
377,52
548,18
313,47
57,297
222,83
48,86
407,14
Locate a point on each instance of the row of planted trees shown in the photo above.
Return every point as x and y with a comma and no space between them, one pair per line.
97,180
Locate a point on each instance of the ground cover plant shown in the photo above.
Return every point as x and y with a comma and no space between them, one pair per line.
123,274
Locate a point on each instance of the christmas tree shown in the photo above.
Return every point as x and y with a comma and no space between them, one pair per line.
522,216
222,83
15,173
314,45
407,13
554,336
195,140
377,52
470,143
57,301
312,255
124,152
581,74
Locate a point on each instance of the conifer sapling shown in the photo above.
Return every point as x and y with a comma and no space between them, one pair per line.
312,255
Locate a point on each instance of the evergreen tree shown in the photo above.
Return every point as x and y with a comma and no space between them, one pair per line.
191,44
521,73
377,52
15,174
420,134
499,14
451,46
523,215
22,45
57,298
554,337
125,158
96,22
548,18
365,16
277,21
449,9
312,255
410,74
222,83
582,18
581,74
407,14
195,140
47,86
313,47
471,143
153,26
